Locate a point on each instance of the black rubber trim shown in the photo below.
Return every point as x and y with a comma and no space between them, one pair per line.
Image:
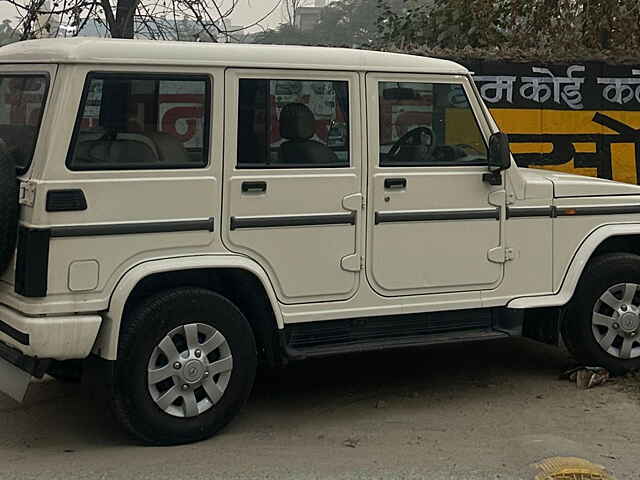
32,262
603,210
21,169
37,367
435,215
132,228
294,221
17,335
131,75
69,200
553,211
520,212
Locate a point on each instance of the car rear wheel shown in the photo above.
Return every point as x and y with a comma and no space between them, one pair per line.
602,325
186,365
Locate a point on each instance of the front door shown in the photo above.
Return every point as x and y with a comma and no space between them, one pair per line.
434,224
292,179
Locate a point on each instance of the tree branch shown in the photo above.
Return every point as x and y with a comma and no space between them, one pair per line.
171,19
108,13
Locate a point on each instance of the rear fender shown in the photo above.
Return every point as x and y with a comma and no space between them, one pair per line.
106,345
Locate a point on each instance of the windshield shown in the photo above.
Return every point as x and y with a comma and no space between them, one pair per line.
22,99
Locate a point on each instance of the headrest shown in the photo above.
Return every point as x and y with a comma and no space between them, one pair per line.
297,122
115,104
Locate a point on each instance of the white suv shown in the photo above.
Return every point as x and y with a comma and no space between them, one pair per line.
185,211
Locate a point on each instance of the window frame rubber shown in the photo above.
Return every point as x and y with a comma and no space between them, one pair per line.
252,166
455,163
21,170
169,77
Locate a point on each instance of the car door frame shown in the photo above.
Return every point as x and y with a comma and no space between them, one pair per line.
497,194
356,156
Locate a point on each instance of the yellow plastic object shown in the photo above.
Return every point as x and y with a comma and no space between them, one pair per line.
570,468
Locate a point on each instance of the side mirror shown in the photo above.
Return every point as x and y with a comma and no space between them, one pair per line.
499,158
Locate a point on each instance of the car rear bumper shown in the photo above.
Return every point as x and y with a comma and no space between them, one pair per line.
28,344
56,337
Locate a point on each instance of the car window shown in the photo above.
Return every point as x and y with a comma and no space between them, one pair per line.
293,124
428,124
136,122
22,100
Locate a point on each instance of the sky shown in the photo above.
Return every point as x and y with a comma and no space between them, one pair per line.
249,11
245,13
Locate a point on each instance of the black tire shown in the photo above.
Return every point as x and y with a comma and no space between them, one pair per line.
8,209
599,275
153,319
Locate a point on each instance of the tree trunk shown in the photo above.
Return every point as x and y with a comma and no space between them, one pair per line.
125,11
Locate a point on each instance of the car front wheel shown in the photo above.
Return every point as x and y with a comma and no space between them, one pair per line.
602,325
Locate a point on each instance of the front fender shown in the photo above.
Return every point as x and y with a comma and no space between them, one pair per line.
578,262
106,345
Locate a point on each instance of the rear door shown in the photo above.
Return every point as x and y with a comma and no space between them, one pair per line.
129,174
434,224
292,190
24,90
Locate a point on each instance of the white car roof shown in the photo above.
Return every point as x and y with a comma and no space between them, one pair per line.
150,52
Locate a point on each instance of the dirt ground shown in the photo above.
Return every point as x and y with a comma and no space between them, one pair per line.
468,411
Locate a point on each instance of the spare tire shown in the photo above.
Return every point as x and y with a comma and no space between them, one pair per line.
8,208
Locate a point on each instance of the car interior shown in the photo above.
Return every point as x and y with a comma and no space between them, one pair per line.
120,139
414,126
278,127
297,127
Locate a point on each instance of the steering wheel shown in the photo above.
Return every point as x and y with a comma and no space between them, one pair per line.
460,152
416,133
469,148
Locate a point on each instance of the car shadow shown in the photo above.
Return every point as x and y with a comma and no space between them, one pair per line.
460,373
65,417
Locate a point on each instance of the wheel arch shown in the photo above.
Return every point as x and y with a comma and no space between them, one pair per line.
604,239
228,275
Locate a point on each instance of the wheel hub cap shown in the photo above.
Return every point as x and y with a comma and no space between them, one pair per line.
189,370
193,371
615,321
629,322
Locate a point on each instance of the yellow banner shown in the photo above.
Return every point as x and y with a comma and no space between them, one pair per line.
586,142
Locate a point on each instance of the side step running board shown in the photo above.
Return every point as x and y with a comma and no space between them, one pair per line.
300,353
323,338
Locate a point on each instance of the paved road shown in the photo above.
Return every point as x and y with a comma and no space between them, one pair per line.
476,411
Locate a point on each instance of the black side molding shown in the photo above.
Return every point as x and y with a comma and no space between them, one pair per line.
293,221
437,215
553,211
132,228
32,261
520,212
597,210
